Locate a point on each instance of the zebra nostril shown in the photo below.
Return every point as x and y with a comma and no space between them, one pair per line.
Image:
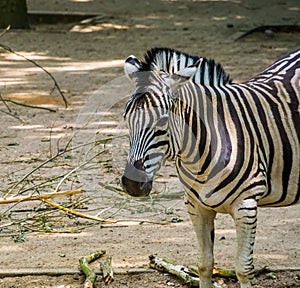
139,164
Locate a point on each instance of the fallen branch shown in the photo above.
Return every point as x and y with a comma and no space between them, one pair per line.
37,215
188,276
88,272
27,105
107,271
79,214
224,273
177,270
40,197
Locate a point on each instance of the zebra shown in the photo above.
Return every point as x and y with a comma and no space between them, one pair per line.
235,146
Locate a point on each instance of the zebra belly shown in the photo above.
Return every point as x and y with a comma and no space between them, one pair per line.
267,193
281,198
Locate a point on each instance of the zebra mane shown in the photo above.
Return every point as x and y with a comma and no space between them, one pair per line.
171,61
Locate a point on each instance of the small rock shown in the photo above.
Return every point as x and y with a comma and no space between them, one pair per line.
271,275
269,33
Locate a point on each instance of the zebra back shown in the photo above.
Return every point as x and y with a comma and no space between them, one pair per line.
280,69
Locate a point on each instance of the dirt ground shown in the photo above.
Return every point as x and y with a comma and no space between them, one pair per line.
87,62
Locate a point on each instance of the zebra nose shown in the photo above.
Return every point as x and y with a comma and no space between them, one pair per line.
135,181
136,189
139,164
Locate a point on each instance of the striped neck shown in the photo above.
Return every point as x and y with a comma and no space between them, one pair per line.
210,73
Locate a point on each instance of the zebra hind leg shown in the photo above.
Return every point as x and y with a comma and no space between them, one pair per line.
245,217
203,222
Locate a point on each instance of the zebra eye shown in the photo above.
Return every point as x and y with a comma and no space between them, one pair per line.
162,121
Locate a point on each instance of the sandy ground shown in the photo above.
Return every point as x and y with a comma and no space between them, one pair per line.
86,60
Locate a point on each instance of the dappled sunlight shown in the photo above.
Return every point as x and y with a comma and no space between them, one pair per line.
294,8
89,65
225,231
41,132
22,81
10,81
73,66
225,18
12,248
65,64
98,27
39,98
36,56
26,127
81,1
106,26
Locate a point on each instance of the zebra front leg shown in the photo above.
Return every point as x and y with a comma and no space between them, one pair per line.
203,222
245,217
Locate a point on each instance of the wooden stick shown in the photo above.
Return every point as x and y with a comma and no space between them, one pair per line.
28,105
79,214
88,272
224,273
177,270
40,197
3,32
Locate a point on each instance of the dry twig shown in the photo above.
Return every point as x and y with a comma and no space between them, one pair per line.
27,105
78,214
52,158
9,112
40,197
6,29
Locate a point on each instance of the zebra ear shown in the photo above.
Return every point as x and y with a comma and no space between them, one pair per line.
131,66
187,72
182,77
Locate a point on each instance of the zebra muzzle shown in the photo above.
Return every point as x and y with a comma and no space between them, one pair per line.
135,180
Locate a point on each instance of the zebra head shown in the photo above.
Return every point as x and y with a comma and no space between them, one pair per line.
147,114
